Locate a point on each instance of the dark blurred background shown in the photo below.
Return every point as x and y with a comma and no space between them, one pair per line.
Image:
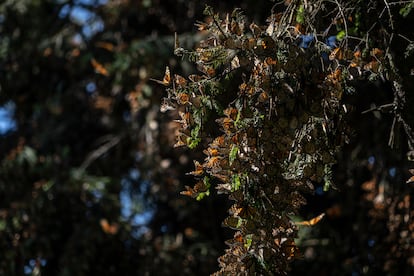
89,178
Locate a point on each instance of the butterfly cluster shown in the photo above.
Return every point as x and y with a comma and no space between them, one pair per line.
270,116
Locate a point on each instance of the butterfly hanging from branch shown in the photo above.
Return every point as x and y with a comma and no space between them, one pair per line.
166,81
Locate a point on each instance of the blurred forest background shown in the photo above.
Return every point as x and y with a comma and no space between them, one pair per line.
89,178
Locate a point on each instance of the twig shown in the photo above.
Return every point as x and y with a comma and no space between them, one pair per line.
100,151
389,14
409,132
345,24
219,27
406,38
392,135
382,108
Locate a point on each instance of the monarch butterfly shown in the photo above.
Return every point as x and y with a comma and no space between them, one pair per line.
195,78
166,105
226,123
223,188
105,45
199,187
235,210
290,249
189,192
99,68
335,77
214,163
218,142
411,179
235,63
239,251
166,81
185,119
183,98
242,211
341,54
237,195
109,228
221,176
180,81
372,66
312,221
232,223
211,152
263,97
378,53
199,170
237,240
231,112
210,71
47,52
236,28
336,54
270,61
181,140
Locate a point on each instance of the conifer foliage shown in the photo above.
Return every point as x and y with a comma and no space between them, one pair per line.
267,108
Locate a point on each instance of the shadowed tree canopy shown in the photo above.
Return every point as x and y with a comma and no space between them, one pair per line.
90,179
